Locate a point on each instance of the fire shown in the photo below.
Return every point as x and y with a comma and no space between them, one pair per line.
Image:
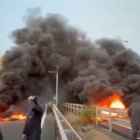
15,116
117,104
113,101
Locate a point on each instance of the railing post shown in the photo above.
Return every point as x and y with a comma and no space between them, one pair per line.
80,109
69,107
74,109
110,121
96,116
66,107
77,109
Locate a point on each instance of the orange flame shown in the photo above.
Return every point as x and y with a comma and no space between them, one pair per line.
15,116
113,101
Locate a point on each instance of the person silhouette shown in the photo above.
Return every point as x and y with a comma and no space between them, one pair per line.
32,128
134,114
1,136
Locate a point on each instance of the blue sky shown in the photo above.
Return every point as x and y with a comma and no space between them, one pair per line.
98,18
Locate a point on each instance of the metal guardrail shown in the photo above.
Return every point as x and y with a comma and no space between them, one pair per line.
113,116
44,117
112,119
66,130
74,108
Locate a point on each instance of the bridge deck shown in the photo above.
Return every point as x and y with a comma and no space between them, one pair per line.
49,129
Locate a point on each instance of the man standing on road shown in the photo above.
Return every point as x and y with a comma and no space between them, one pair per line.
134,114
32,128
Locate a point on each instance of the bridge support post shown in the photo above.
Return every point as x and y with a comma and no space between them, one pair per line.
77,110
96,116
110,121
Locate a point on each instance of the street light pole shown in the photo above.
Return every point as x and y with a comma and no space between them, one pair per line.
57,80
126,41
56,92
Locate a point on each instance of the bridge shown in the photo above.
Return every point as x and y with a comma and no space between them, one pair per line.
56,127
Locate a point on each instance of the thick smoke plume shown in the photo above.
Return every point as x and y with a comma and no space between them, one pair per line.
86,69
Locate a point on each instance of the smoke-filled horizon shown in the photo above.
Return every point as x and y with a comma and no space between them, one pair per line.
87,70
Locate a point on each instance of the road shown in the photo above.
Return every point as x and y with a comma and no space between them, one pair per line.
49,131
12,130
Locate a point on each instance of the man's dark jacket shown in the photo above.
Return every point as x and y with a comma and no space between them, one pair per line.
134,113
33,121
1,137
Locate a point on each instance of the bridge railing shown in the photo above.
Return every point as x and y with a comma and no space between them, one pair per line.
44,117
66,130
74,108
112,115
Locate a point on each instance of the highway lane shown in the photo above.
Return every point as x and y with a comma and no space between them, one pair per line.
12,130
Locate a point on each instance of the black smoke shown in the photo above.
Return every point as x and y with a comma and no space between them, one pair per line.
86,69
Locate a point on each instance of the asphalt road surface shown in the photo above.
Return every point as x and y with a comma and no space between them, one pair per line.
12,130
48,131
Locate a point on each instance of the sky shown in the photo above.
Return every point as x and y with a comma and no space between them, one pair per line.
97,18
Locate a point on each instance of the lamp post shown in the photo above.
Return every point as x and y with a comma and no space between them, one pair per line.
56,86
126,41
